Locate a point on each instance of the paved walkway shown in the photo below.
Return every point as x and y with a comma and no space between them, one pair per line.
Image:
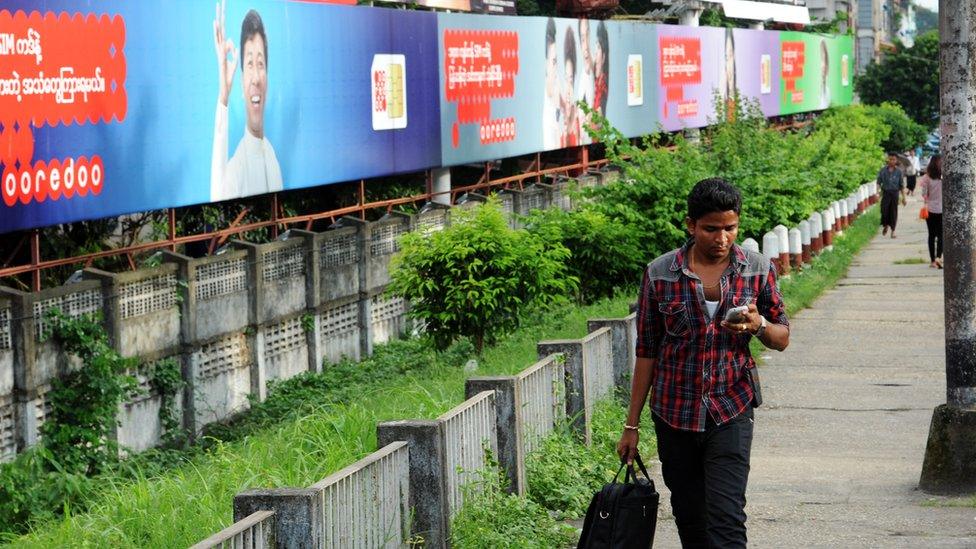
840,438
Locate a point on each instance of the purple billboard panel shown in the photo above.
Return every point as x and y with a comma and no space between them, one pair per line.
691,71
757,67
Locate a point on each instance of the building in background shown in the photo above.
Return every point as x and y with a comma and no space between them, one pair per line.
824,11
879,23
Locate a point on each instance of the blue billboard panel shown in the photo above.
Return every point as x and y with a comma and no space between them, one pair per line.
121,106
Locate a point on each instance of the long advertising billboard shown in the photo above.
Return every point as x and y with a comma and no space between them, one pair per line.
120,107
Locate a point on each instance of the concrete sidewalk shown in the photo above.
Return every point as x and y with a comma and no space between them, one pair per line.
840,438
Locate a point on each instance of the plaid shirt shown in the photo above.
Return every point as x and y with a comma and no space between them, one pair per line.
701,365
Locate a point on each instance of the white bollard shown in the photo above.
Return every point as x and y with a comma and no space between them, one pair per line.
842,216
796,248
751,245
784,246
852,209
816,233
806,240
827,218
770,249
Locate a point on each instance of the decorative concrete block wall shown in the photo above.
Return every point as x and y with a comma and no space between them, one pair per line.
8,425
219,379
233,322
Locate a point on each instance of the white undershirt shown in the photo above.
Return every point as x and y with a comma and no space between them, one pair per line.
711,306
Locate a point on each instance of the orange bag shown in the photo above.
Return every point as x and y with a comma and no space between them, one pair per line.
923,213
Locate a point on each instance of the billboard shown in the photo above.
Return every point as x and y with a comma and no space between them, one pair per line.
691,74
105,110
757,67
126,107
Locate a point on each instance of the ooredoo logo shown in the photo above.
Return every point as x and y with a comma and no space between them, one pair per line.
57,69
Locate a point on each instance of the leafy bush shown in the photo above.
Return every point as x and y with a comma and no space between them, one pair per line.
905,133
563,474
783,176
604,254
475,277
493,519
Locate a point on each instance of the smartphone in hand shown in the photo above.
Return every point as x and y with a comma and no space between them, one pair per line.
736,314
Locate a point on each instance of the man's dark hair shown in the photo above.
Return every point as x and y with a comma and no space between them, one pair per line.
934,169
569,49
253,25
893,153
550,34
713,195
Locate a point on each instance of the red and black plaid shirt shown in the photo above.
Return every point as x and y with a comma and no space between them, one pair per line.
701,366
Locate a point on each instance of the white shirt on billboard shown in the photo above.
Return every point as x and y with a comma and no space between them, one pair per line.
550,124
252,170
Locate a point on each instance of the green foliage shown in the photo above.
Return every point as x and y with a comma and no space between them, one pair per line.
491,518
908,77
905,132
563,474
474,278
165,379
783,176
76,438
85,401
604,254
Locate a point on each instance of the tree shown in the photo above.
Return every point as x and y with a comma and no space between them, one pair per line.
926,19
908,77
474,278
905,133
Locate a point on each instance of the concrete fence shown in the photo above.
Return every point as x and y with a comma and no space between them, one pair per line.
367,503
256,531
235,321
589,375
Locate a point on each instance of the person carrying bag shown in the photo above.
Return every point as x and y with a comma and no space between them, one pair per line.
622,515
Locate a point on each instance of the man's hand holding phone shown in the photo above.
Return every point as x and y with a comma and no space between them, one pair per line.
743,319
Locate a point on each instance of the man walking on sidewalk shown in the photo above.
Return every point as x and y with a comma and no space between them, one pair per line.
891,181
697,359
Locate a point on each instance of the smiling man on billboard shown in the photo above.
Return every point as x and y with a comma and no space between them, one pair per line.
254,167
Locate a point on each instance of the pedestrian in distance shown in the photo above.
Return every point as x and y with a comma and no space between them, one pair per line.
892,184
912,167
698,308
930,185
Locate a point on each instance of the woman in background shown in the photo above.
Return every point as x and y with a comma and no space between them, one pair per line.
930,186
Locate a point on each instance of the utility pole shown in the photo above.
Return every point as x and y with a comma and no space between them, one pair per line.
950,457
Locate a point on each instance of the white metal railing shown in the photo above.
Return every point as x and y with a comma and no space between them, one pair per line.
366,504
256,531
597,366
540,391
466,428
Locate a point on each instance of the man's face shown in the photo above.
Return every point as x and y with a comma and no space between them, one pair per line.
892,161
714,233
584,29
255,84
551,74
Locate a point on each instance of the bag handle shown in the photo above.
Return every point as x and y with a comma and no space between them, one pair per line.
631,474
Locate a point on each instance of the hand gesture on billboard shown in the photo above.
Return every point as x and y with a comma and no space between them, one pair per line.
226,54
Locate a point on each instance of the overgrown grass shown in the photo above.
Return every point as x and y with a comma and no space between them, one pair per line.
563,474
961,501
305,430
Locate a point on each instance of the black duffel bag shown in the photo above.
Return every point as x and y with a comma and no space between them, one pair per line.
622,515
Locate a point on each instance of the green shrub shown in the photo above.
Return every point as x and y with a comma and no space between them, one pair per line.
564,474
604,254
493,519
905,133
474,278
